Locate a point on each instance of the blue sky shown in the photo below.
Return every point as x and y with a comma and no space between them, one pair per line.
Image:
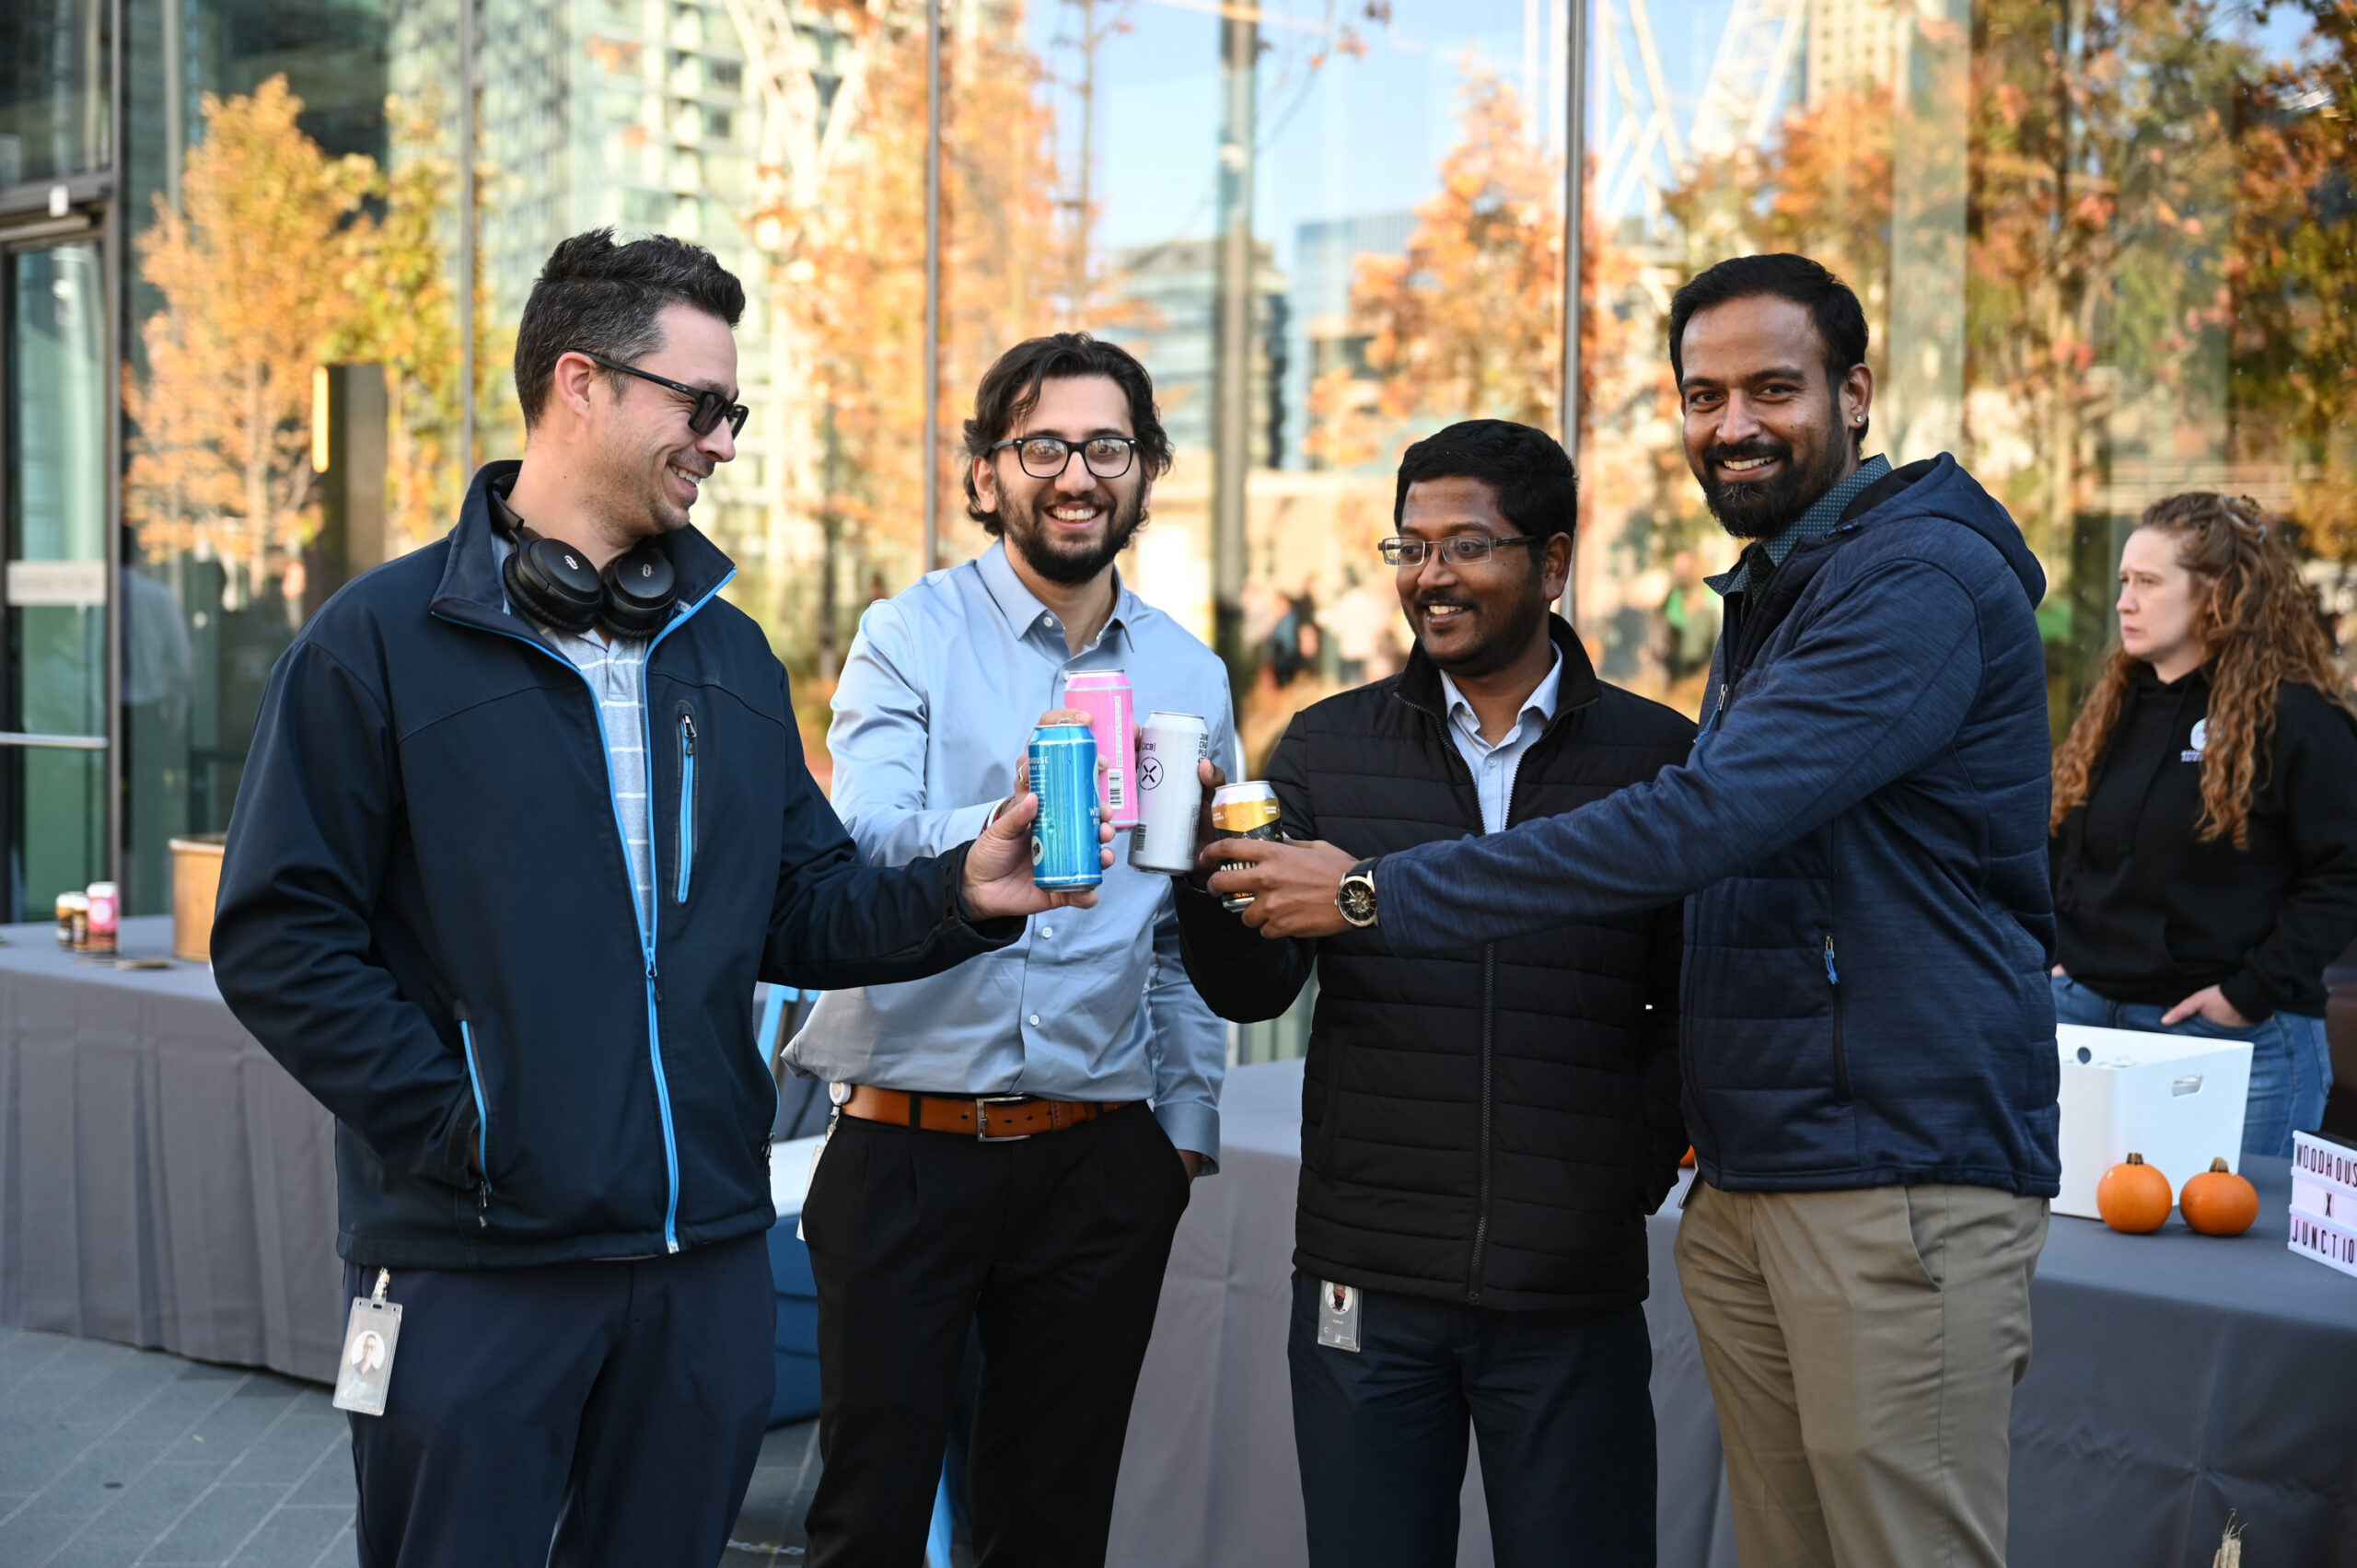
1350,137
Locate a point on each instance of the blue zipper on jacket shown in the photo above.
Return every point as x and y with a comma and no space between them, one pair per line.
653,995
645,927
482,1114
687,799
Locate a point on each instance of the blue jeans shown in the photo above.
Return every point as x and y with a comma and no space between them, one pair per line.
2291,1068
1559,1402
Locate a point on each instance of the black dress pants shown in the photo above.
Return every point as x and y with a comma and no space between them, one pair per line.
577,1415
1052,1249
1559,1402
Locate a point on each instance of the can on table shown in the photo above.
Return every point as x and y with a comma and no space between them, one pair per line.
73,910
1104,695
1065,853
106,913
1171,796
1247,810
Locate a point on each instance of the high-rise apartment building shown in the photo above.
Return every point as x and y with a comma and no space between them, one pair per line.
630,114
1852,46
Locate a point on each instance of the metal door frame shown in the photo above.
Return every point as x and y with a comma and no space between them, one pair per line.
41,216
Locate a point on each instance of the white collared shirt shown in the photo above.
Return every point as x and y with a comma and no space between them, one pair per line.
1496,766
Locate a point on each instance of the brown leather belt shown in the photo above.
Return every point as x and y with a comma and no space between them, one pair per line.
990,1118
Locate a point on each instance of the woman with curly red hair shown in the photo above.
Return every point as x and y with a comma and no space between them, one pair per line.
2204,825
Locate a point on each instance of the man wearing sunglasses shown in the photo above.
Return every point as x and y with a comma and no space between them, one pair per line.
1484,1128
1014,1141
524,819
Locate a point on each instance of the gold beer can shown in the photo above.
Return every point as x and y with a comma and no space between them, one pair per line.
1247,810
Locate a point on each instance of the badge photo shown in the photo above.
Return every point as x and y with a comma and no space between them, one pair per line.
1338,1316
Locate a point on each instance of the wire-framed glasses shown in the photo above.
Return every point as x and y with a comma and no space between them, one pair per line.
1457,549
1047,457
710,408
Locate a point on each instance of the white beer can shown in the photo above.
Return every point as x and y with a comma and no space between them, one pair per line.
1171,796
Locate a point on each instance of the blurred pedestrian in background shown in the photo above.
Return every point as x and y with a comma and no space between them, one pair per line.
2204,824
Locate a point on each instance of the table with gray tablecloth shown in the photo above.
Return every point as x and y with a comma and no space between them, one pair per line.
163,1183
2175,1376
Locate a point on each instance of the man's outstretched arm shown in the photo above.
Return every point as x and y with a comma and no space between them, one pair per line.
1875,686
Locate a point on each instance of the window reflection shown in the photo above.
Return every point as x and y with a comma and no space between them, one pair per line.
56,572
2105,250
254,124
53,88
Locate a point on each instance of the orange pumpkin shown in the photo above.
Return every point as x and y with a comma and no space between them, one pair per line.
2133,1197
2219,1202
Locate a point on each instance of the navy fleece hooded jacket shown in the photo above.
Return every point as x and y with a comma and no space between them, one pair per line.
1860,836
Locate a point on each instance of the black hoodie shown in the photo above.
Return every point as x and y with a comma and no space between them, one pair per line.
2150,914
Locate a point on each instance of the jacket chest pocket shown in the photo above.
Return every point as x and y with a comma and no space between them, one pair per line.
685,726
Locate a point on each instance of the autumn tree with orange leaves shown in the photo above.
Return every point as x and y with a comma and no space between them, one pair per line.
253,274
2294,275
845,239
1468,322
404,315
1821,189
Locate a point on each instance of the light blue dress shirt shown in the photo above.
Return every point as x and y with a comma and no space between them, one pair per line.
1496,766
937,702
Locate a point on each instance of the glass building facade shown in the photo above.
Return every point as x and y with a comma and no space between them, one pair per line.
2108,248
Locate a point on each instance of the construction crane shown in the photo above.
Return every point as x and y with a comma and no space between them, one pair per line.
1738,105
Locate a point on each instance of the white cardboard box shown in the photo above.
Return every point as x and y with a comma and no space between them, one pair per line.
2177,1099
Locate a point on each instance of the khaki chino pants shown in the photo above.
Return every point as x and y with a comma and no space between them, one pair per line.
1863,1348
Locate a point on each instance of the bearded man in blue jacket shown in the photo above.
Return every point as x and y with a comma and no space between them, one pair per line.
1868,1036
525,819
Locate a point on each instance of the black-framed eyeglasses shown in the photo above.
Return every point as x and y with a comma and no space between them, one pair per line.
1457,549
710,408
1047,457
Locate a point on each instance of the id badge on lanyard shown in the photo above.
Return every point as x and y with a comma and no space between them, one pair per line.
1338,1316
365,1374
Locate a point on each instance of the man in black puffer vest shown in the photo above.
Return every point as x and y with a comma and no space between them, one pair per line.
1483,1131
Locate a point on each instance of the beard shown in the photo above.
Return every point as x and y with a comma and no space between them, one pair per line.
1757,510
1072,561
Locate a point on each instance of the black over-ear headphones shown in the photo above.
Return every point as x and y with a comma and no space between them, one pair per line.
549,580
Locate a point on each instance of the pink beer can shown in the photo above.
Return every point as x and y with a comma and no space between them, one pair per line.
1104,696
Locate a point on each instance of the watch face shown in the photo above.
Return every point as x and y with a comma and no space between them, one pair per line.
1357,902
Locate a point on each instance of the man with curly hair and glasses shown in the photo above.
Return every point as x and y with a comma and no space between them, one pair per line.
1013,1145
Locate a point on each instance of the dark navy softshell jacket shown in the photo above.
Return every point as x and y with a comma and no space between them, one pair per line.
426,916
1859,835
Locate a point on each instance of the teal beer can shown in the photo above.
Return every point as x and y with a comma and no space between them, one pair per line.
1065,855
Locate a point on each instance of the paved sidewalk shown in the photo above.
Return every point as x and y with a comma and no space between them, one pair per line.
114,1458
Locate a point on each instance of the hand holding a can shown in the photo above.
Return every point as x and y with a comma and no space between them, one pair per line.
1207,832
1291,885
1001,869
997,880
